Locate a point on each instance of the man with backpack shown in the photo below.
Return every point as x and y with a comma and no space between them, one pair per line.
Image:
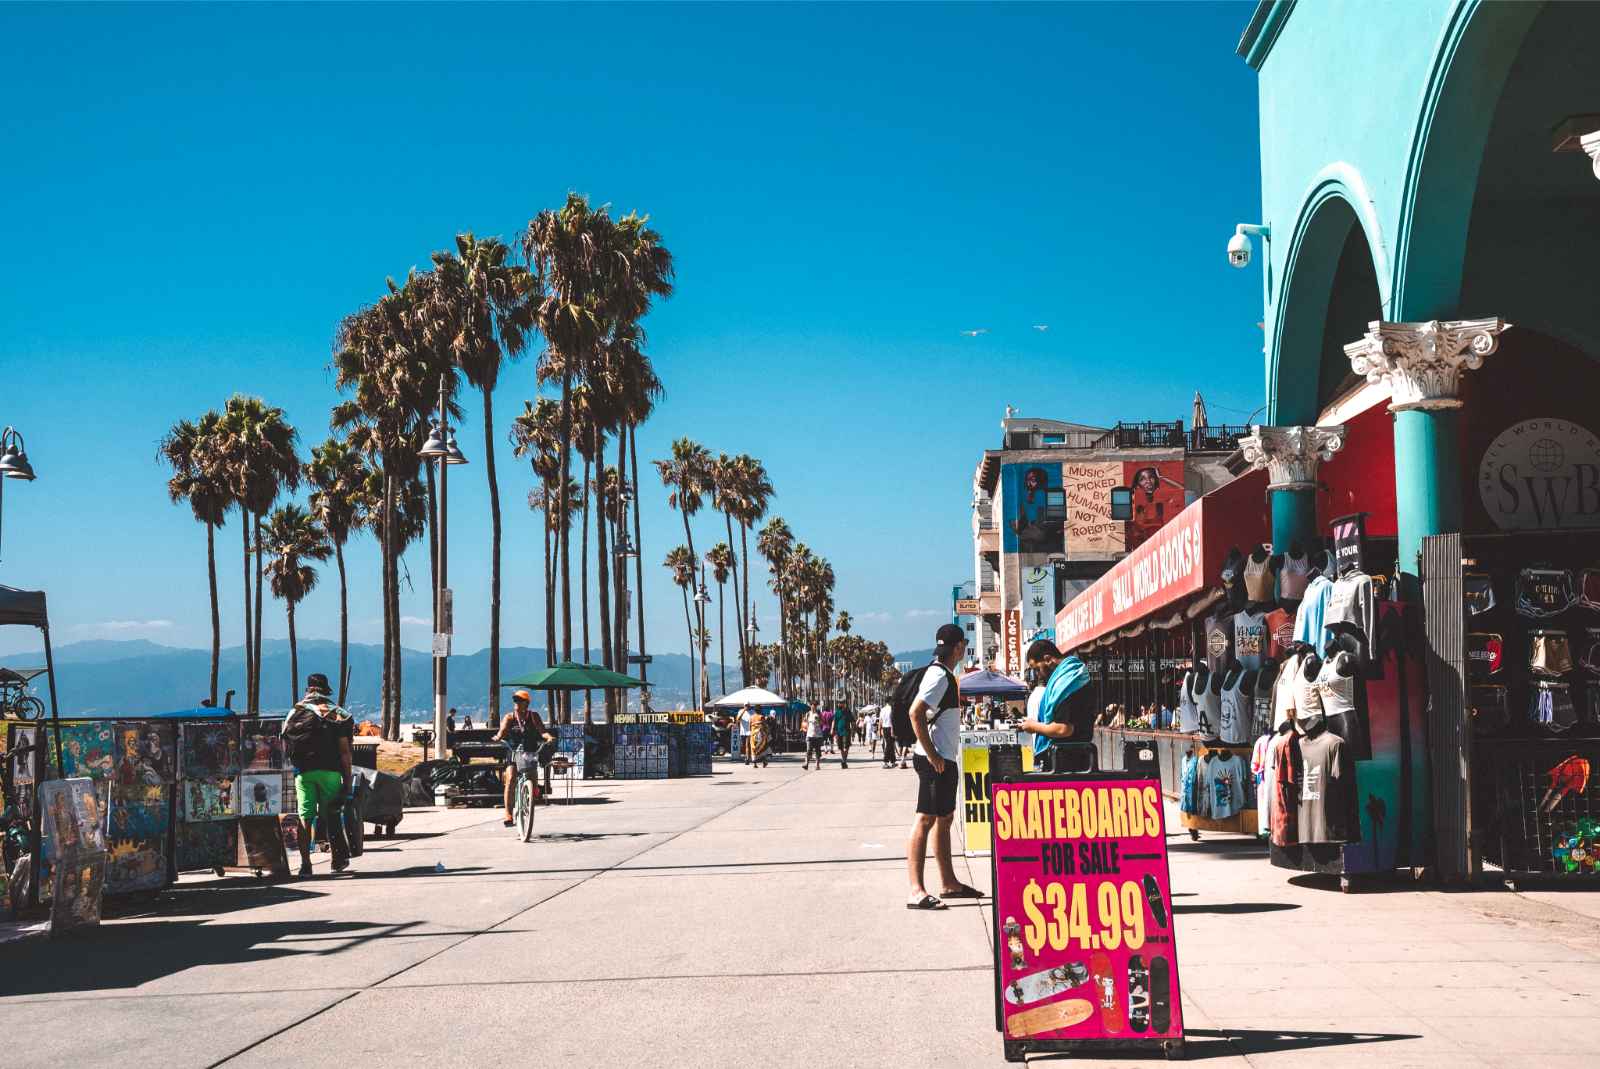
316,740
927,709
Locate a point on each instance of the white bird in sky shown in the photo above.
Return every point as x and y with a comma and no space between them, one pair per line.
975,333
1041,327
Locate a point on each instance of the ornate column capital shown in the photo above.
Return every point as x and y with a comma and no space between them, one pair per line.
1590,143
1423,361
1291,454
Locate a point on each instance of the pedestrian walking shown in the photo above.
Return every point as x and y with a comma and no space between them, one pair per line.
870,724
936,722
761,728
844,730
827,731
886,729
746,715
316,739
816,735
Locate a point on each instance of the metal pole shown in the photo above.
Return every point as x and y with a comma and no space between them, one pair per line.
441,661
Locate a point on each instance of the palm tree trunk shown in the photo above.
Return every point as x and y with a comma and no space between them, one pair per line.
344,623
249,644
388,630
255,702
744,562
294,657
688,623
391,713
563,533
738,613
549,589
722,633
583,569
699,618
494,562
638,544
216,613
603,569
433,560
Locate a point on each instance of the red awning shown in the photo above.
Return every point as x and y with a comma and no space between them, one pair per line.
1178,561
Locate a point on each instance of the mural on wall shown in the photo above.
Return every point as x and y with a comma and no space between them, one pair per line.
1035,508
1091,532
1158,496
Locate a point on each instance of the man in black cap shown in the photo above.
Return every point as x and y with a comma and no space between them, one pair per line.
936,721
316,737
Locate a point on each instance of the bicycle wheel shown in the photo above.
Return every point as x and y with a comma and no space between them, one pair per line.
28,708
526,807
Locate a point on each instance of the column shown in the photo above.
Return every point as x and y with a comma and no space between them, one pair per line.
1422,364
1291,456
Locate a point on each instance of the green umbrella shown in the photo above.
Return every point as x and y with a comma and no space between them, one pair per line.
570,675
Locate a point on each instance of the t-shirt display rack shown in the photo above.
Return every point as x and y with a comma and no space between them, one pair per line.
1531,624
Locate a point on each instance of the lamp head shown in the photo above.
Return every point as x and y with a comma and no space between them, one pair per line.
452,454
435,446
14,465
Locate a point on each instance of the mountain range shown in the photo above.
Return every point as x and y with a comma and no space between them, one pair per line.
108,676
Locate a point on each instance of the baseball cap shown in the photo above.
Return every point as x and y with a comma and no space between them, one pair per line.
524,695
948,636
317,683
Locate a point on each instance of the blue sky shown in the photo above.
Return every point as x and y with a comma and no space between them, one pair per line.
196,195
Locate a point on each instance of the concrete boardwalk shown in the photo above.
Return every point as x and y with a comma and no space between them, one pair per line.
756,917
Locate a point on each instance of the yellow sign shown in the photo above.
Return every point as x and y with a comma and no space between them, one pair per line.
975,784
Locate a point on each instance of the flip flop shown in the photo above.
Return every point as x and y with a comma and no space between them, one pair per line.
507,823
927,902
962,891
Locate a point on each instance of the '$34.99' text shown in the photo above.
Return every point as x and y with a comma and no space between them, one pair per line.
1059,916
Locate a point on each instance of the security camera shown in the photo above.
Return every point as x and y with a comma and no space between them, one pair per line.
1239,250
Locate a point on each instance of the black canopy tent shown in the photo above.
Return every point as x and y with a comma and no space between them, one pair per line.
26,608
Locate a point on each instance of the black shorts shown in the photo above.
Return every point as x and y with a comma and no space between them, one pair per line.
814,745
842,741
936,791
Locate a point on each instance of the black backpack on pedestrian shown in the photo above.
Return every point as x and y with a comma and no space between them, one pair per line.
905,694
302,737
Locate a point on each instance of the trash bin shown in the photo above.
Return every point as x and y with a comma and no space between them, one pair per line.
364,754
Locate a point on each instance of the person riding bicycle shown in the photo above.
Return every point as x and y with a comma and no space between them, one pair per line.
528,743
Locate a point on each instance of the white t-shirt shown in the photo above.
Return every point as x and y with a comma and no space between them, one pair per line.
744,721
814,725
946,730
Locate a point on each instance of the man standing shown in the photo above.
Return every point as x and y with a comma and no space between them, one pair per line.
816,733
1054,715
870,722
886,729
745,716
844,730
936,722
316,737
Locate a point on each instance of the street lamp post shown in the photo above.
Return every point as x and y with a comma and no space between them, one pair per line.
750,633
702,598
441,448
623,552
13,460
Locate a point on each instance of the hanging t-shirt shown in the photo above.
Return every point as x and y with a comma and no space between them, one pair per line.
1350,601
1323,789
1338,694
1225,786
1293,577
1188,711
1250,638
1234,720
1307,692
1263,696
1258,578
1283,692
1208,699
1260,770
1286,772
1219,640
1189,796
1309,618
1280,632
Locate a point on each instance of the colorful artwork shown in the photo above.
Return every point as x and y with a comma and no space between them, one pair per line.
261,846
210,751
260,794
260,745
77,888
85,750
289,832
1577,849
209,845
136,865
1034,508
74,820
1038,599
143,755
209,799
1158,496
20,752
143,819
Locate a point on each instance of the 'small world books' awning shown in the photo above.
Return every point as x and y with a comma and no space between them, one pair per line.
1179,561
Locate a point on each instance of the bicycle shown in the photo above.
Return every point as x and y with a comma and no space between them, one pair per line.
15,701
526,792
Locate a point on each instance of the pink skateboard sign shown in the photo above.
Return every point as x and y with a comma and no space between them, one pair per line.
1085,949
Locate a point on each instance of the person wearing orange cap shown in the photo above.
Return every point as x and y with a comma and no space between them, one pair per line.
528,743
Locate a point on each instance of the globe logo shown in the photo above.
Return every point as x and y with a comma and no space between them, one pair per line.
1547,455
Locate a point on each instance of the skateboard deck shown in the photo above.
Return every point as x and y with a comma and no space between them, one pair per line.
1013,933
1160,995
1105,985
1043,985
1057,1015
1158,908
1138,994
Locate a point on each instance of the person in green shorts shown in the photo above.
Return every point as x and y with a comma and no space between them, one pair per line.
316,737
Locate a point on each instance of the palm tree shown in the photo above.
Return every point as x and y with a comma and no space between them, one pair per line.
535,435
687,475
775,543
752,491
191,450
593,277
259,461
680,561
722,562
338,474
294,538
481,314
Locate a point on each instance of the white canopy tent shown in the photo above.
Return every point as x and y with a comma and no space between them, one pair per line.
753,696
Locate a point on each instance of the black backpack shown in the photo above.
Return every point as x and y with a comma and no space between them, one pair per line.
905,694
301,737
